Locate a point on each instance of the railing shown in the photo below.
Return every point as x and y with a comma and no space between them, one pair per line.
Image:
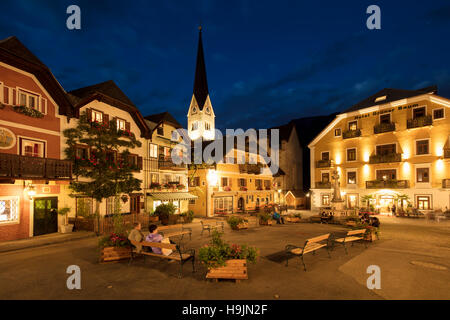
446,153
351,134
22,167
393,184
419,122
385,158
384,127
446,183
250,168
323,164
323,185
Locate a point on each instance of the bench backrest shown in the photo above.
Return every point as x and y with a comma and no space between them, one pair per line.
318,239
171,226
355,232
155,244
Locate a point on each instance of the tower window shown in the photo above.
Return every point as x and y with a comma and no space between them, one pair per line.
207,126
194,126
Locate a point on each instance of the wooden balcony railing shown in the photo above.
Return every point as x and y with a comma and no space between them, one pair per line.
419,122
323,164
351,134
447,153
446,183
250,168
382,184
13,166
384,127
323,185
385,158
168,164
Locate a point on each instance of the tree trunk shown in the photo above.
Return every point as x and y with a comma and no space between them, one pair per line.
97,213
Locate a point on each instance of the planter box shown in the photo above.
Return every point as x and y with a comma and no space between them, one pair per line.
293,219
66,228
153,218
115,254
371,236
235,269
265,223
240,226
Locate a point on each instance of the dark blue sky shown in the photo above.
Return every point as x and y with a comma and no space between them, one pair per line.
267,61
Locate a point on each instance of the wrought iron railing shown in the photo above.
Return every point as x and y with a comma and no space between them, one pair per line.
446,183
22,167
323,185
323,164
385,158
351,134
419,122
384,127
382,184
250,168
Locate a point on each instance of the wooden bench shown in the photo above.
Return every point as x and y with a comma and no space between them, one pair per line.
209,227
175,230
311,245
177,254
351,236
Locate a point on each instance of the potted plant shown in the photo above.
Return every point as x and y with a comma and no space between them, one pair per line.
66,227
237,223
152,217
188,216
225,261
165,211
265,218
115,246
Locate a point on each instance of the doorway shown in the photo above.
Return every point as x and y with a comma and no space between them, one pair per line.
386,203
135,204
241,204
45,217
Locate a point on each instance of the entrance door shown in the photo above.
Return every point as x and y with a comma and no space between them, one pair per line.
134,204
386,203
45,216
241,204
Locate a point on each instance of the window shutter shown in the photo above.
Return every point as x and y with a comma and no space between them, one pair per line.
106,119
89,114
6,95
14,98
127,125
229,181
114,119
139,163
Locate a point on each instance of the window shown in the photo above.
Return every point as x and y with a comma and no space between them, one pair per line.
224,182
82,152
207,126
423,174
195,182
337,132
153,150
325,177
422,147
352,201
29,100
267,184
191,201
258,183
97,116
110,204
242,182
325,156
9,209
351,177
351,154
154,178
194,126
385,118
381,98
386,149
223,204
325,200
121,124
353,125
386,174
31,148
424,202
84,207
438,113
418,112
160,131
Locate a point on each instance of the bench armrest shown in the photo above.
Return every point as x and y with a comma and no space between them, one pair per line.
186,228
290,247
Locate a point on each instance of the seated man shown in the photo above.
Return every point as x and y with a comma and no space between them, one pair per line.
279,219
154,236
136,235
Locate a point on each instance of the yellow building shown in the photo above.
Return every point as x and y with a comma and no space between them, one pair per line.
164,181
391,144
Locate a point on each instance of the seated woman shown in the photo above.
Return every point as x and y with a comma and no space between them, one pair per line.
154,236
278,218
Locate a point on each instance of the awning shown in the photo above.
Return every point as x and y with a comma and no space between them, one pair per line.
165,196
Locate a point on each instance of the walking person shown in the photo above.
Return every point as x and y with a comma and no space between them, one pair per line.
394,208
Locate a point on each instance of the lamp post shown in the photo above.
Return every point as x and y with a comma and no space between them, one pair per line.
279,198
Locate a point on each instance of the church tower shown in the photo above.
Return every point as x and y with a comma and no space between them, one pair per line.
201,118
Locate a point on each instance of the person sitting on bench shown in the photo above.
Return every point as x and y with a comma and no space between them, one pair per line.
154,236
278,218
136,235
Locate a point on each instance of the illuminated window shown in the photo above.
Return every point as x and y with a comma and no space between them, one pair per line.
438,113
351,154
422,147
9,209
97,116
29,100
153,150
121,124
31,148
424,202
380,99
423,174
351,177
353,125
325,199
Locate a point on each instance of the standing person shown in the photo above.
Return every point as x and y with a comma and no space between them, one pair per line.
136,235
394,208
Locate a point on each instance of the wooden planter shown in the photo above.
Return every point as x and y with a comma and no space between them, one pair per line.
265,223
240,226
115,254
293,219
235,269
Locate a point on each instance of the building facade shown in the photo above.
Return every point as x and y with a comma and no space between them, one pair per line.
391,148
33,108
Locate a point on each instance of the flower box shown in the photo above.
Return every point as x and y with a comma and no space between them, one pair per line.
293,219
115,254
243,225
234,269
265,223
30,112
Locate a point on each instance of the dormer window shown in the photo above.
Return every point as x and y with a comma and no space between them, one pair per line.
29,100
380,99
160,131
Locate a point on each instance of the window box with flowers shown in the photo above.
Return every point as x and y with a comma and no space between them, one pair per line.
167,186
226,188
114,247
30,112
155,186
243,188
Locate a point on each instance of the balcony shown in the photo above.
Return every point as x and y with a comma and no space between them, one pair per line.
419,122
13,166
351,134
385,158
323,164
446,183
250,168
323,185
447,153
391,184
167,164
384,127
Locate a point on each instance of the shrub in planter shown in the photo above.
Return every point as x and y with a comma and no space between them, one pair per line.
114,247
66,227
188,216
234,222
216,253
28,111
164,212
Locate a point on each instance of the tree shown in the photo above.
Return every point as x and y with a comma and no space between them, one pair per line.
104,162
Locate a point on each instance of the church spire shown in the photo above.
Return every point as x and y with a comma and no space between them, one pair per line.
200,83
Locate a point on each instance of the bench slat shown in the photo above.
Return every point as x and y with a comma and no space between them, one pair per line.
319,238
155,244
353,232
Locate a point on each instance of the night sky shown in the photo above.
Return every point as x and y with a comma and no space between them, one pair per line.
267,61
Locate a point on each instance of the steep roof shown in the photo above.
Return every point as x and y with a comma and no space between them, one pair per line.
391,95
14,46
284,131
163,117
200,83
108,88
